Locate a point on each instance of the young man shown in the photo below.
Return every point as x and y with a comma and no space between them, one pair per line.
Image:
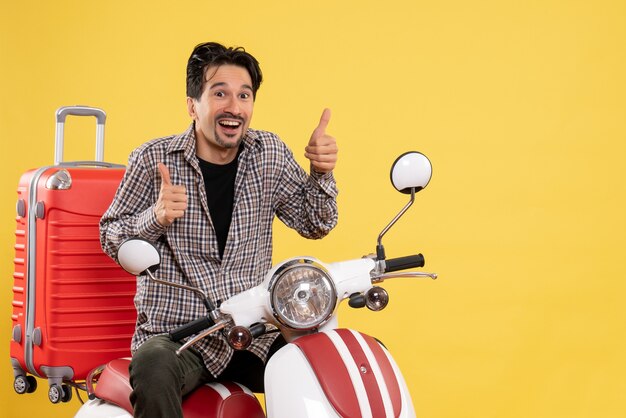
207,199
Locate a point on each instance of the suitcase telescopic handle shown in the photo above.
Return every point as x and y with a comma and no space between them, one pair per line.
62,113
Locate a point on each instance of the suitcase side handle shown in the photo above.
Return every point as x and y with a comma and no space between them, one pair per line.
62,113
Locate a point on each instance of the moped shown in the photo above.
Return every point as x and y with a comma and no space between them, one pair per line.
323,371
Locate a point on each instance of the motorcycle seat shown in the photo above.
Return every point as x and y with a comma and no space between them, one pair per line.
211,400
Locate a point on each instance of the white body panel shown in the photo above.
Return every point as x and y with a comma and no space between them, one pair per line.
97,408
249,307
351,276
293,390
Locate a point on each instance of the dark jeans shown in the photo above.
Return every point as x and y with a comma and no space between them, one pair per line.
160,378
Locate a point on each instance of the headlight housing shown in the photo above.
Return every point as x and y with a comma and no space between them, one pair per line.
302,294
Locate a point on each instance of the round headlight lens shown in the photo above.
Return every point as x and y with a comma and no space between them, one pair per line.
302,294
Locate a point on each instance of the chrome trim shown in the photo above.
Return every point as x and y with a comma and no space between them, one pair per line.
290,265
394,220
382,277
173,284
218,326
93,376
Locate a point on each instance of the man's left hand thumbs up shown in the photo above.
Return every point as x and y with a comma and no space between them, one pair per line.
322,149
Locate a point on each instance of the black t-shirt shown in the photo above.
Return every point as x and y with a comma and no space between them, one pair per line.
219,182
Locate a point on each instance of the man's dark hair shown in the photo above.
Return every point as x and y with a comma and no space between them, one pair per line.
210,54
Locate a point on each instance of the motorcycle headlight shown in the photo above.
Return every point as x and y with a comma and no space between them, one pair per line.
302,294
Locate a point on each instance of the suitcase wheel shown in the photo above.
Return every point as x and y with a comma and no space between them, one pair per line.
25,384
59,393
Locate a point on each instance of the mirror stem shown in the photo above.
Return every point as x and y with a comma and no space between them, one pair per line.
380,250
205,300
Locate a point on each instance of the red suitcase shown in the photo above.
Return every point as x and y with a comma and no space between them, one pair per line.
72,305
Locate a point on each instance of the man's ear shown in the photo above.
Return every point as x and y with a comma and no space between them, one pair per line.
191,107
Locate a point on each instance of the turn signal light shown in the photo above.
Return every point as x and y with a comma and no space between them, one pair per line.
376,299
239,337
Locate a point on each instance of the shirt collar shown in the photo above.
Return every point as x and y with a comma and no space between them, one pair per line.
185,142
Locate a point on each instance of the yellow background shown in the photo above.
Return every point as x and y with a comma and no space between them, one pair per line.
520,105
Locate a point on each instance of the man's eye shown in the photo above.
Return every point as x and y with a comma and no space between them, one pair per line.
219,93
244,95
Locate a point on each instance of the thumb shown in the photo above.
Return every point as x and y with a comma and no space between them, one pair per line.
324,120
165,175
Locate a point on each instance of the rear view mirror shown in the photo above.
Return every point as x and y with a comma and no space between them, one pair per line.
137,255
411,170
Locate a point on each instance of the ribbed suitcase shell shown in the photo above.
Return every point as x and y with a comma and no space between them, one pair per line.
72,306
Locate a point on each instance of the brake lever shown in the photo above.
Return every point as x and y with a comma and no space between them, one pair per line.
220,324
382,277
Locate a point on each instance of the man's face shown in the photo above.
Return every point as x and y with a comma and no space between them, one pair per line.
223,112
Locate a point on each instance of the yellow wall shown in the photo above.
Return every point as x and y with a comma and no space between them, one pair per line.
520,105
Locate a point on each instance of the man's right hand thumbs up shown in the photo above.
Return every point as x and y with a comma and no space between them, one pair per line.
172,201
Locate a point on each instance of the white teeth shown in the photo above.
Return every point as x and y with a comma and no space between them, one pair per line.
229,123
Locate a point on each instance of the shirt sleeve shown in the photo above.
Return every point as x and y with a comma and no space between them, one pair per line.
306,203
131,213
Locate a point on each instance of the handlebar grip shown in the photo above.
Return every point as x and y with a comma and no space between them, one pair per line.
191,328
257,330
404,263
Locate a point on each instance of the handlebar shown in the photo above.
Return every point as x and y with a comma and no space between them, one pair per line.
205,326
404,263
191,328
257,329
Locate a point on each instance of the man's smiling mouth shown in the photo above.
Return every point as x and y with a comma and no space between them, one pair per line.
230,123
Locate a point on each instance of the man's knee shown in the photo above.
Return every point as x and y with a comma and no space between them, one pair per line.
155,361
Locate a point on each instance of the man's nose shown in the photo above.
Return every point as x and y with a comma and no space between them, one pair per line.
233,106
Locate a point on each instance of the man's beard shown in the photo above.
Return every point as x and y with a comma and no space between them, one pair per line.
227,144
221,140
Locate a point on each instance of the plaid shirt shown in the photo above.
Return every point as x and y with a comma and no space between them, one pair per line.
269,182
